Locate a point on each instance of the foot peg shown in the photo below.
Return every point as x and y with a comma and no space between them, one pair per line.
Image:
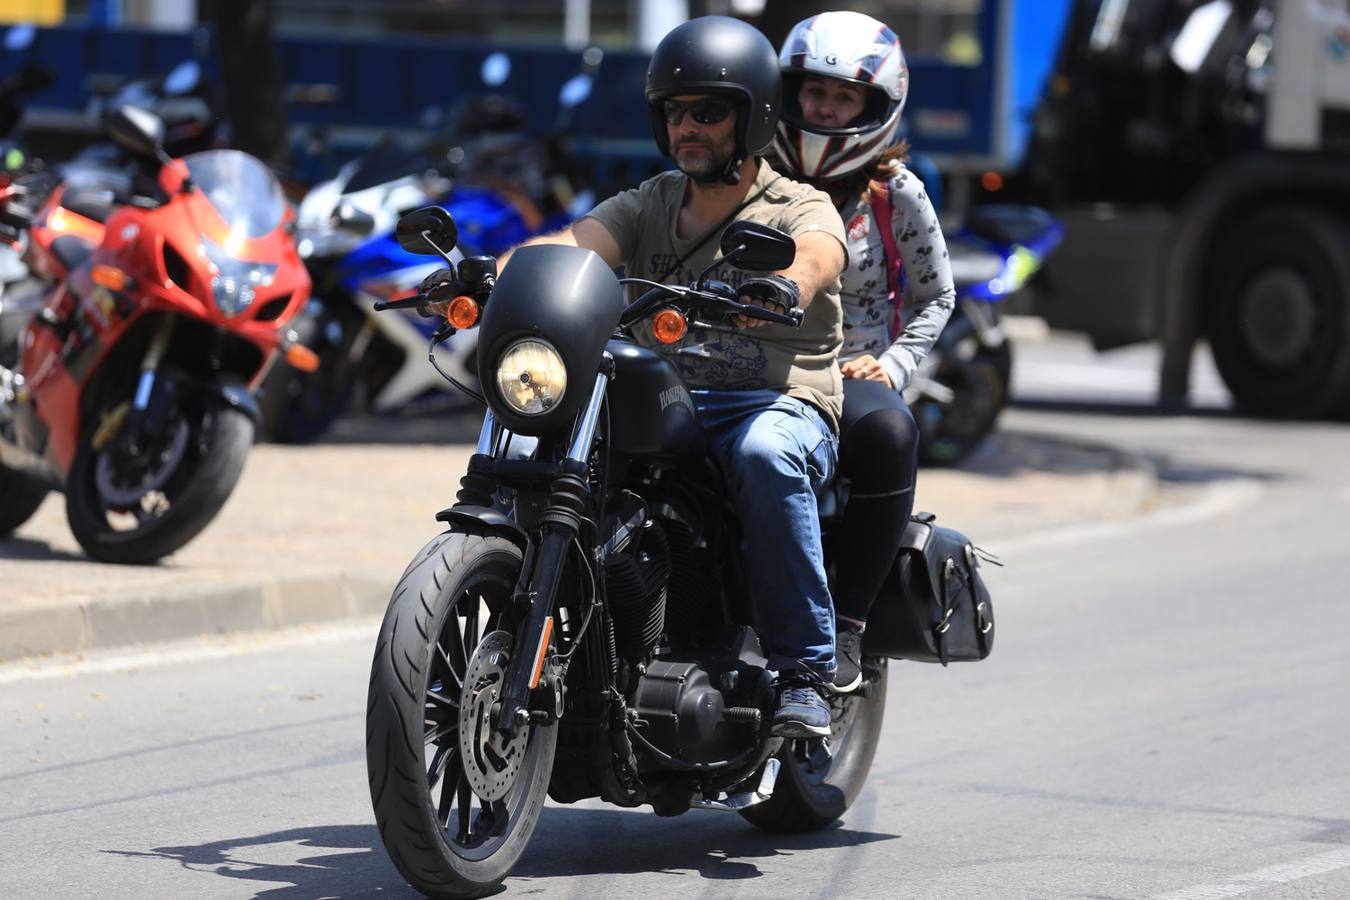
738,802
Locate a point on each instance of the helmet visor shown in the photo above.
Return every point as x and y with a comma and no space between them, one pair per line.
876,111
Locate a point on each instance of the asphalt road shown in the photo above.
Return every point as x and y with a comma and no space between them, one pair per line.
1165,715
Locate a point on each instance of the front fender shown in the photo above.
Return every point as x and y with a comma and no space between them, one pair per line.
484,519
233,391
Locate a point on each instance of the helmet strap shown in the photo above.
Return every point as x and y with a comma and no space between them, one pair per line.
732,173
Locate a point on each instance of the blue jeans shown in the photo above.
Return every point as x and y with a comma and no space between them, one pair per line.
776,453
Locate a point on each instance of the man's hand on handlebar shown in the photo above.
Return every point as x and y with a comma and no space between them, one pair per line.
772,292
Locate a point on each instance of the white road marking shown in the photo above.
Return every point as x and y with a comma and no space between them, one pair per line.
205,648
1307,867
1220,498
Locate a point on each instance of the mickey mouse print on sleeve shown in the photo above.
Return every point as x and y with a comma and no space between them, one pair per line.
930,294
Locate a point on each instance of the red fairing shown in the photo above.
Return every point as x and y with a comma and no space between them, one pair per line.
182,258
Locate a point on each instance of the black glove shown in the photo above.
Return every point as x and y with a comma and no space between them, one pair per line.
774,289
442,285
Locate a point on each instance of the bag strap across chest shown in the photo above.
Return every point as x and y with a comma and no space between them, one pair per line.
879,194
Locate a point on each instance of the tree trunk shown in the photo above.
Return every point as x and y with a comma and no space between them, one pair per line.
252,76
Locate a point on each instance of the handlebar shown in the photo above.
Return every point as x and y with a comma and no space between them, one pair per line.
715,300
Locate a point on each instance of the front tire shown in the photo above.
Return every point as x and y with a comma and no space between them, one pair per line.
816,782
441,835
207,467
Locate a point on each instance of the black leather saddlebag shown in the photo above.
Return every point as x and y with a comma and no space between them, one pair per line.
934,606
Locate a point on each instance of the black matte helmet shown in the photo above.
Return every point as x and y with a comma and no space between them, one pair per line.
719,55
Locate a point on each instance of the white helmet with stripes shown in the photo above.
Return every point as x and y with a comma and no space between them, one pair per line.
856,48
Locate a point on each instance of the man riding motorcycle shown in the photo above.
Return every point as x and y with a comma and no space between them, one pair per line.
769,396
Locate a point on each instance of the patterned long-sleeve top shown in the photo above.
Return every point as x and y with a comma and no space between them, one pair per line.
929,291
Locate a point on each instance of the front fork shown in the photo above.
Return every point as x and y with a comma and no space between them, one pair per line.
545,560
131,421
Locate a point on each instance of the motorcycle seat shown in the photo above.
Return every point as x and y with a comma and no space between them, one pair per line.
70,251
1008,223
91,203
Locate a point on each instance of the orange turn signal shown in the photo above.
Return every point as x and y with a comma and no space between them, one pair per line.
668,326
110,277
302,358
462,312
991,181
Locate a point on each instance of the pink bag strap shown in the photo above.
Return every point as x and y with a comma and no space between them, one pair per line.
880,195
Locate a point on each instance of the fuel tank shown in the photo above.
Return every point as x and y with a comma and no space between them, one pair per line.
651,412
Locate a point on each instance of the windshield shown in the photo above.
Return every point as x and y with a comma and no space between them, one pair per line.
243,190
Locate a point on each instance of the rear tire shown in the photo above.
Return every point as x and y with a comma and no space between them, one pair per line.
20,497
1277,313
815,789
948,434
419,786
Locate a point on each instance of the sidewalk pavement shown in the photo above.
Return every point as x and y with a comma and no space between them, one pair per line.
323,532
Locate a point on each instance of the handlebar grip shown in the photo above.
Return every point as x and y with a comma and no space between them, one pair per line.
407,303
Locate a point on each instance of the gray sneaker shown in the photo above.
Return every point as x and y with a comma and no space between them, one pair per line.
848,658
801,711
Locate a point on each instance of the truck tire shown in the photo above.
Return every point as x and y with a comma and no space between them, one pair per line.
1277,313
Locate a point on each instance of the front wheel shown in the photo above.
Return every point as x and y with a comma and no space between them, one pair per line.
137,505
819,779
455,800
20,497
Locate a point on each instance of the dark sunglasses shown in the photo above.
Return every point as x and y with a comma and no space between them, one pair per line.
705,112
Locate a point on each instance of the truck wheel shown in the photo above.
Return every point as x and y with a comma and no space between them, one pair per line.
1277,313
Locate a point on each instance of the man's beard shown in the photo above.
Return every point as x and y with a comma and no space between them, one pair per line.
710,166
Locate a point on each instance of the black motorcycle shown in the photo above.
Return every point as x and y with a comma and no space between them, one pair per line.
582,627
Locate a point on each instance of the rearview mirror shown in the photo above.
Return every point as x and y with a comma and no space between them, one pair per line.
352,220
429,231
138,130
757,248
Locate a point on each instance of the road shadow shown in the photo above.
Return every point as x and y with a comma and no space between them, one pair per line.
459,426
715,846
28,549
1128,408
349,861
1013,453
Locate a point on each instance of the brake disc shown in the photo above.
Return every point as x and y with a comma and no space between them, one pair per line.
490,758
123,488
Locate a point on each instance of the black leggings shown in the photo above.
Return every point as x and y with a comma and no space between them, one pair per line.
878,454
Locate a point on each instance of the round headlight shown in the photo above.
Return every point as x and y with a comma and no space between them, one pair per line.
531,377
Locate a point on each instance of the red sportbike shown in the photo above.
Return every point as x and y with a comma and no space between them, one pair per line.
129,387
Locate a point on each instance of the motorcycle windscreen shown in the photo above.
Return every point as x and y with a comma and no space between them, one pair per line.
243,191
564,296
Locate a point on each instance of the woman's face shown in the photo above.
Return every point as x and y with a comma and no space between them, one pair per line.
829,102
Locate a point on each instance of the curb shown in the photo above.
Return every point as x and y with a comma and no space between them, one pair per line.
258,605
261,603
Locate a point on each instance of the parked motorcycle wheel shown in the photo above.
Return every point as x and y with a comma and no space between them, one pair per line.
819,779
297,407
195,467
454,824
947,434
20,497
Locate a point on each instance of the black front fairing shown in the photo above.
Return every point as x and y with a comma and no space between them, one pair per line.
564,295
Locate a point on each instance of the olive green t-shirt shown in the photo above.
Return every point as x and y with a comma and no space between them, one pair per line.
798,361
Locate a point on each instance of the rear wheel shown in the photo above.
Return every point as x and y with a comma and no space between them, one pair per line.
819,779
297,407
455,800
136,507
949,432
1277,313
